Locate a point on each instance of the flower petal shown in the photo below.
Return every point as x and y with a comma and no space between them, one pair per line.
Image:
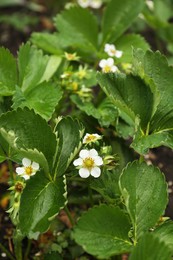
35,166
114,68
20,170
26,162
26,177
96,4
107,47
93,153
33,173
95,172
84,153
84,173
78,162
118,54
102,63
110,62
98,161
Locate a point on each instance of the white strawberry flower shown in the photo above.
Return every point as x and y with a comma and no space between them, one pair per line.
91,138
112,51
108,65
96,4
84,3
88,163
90,3
29,168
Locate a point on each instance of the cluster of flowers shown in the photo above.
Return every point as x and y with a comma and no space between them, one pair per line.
107,65
90,3
88,162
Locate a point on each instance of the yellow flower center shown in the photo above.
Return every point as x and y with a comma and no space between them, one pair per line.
113,51
90,138
88,162
28,170
107,69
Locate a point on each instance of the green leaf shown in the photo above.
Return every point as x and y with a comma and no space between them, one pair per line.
43,99
23,129
155,67
164,233
107,186
69,133
124,130
32,66
52,65
149,248
78,27
142,143
106,113
145,194
44,200
118,16
53,256
5,3
103,231
126,42
8,72
130,95
47,42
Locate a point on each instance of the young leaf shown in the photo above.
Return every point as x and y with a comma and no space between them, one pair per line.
68,133
145,194
44,200
47,42
151,247
43,99
118,16
130,95
8,73
103,232
78,27
32,65
26,130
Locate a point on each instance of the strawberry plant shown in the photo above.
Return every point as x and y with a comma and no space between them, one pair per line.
80,110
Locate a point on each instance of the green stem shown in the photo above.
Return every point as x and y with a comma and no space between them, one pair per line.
18,248
90,194
69,216
141,159
27,249
10,167
3,249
